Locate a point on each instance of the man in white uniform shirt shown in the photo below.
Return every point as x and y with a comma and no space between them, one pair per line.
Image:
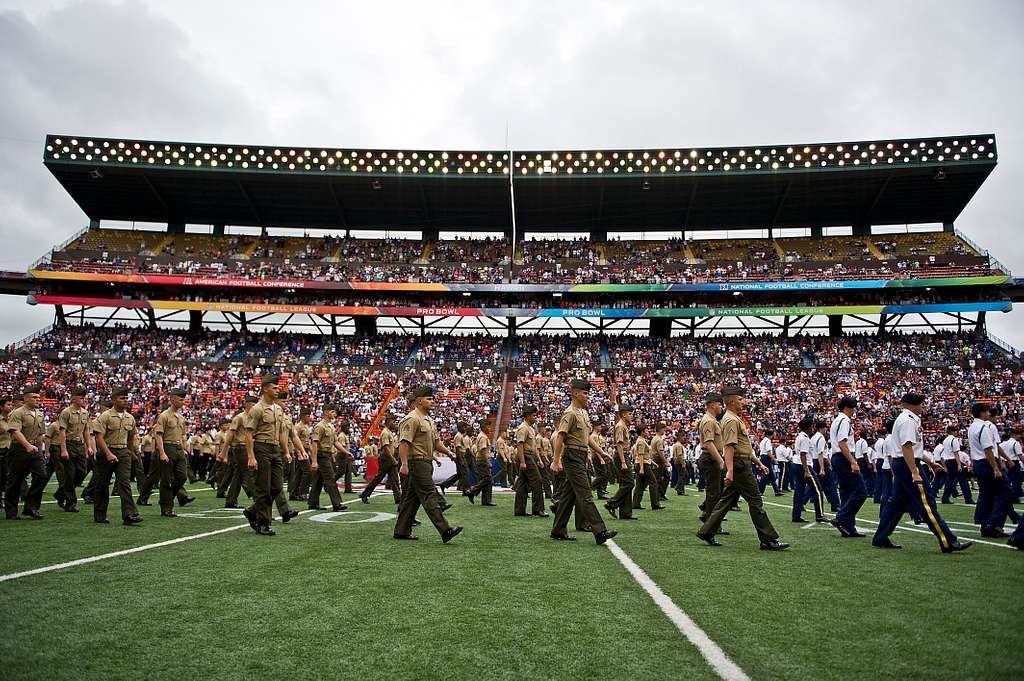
783,456
805,484
909,490
994,496
1012,451
956,471
819,451
844,463
877,459
766,452
862,452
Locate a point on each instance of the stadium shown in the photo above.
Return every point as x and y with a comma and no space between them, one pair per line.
353,279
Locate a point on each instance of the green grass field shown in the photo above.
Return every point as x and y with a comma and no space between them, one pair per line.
503,601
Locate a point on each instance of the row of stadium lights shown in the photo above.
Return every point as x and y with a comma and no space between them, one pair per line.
488,163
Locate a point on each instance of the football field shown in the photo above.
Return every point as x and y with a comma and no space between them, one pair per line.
334,596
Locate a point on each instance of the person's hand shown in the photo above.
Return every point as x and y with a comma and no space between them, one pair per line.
998,473
807,477
90,454
404,470
111,457
540,463
556,467
728,477
64,454
855,468
522,466
287,458
163,457
915,475
314,465
624,466
222,458
721,464
250,463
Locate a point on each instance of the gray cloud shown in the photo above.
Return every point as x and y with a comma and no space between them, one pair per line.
451,74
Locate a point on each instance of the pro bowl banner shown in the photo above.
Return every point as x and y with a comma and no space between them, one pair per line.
228,282
565,312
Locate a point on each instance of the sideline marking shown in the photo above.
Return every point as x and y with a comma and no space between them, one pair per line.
125,552
715,656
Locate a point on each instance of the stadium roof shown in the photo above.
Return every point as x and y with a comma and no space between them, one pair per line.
905,181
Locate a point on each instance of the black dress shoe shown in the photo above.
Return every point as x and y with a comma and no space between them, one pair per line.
450,534
854,534
542,514
774,545
708,539
887,544
842,530
1019,545
143,503
87,499
285,517
168,514
251,517
472,497
339,507
611,511
220,496
701,505
232,506
265,531
521,515
563,537
186,501
407,537
602,497
821,519
416,523
36,515
132,520
639,508
602,537
724,533
658,508
799,520
992,532
364,499
102,521
959,545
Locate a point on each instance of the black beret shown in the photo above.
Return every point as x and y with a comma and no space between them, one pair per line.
806,423
79,392
731,390
847,402
579,384
179,392
625,407
223,422
912,398
333,407
422,391
34,388
268,380
529,410
712,397
251,399
120,391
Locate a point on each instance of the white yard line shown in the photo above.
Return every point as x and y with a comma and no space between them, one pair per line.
125,552
715,656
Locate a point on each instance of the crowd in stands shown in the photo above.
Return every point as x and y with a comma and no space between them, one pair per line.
647,352
438,348
535,251
932,349
539,350
491,251
119,341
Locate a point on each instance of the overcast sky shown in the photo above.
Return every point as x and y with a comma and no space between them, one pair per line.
558,74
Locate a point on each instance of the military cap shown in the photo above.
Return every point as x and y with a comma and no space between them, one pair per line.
269,380
179,392
579,384
79,392
847,402
107,404
119,391
223,422
331,407
733,390
806,423
529,409
912,399
33,388
251,399
712,397
422,391
623,408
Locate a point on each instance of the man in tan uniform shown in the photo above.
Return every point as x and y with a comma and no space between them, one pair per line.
622,501
646,477
6,407
346,459
265,443
321,444
604,471
73,440
169,435
233,454
571,447
545,456
739,476
663,469
417,443
529,480
482,452
680,463
460,478
302,468
387,463
293,448
711,461
219,466
25,456
116,439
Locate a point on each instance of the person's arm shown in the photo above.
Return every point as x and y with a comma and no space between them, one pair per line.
250,455
844,447
993,461
593,442
729,453
521,453
805,461
556,452
133,443
18,436
403,454
908,456
298,446
102,441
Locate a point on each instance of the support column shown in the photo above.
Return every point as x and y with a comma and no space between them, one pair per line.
431,234
835,325
151,318
979,326
817,232
948,227
218,230
862,229
175,227
785,326
599,234
882,321
195,321
59,319
366,325
661,327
